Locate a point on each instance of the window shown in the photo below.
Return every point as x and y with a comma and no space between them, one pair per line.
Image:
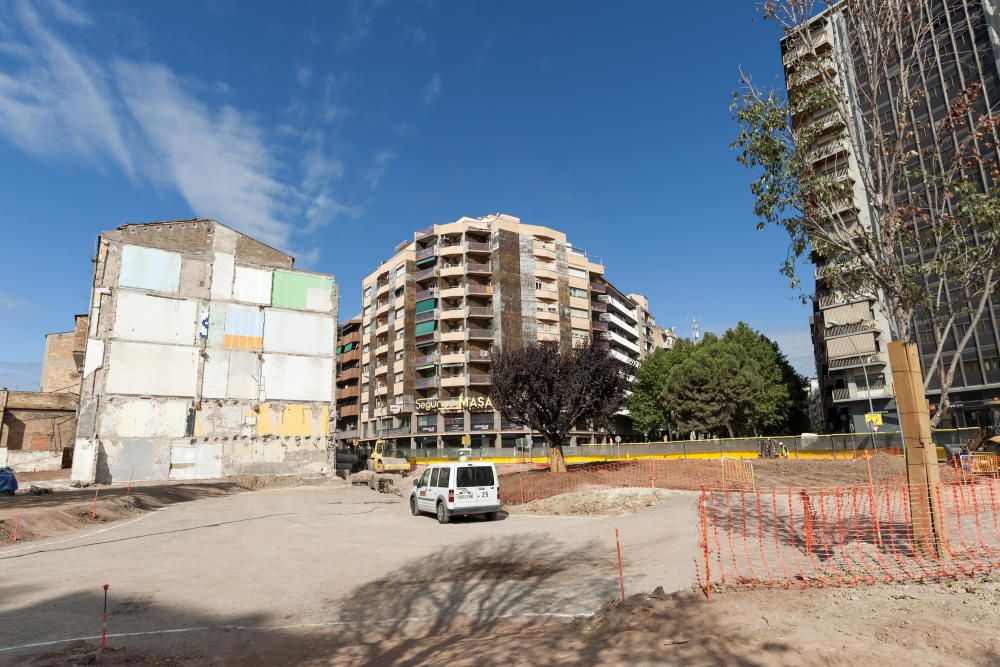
580,335
482,421
426,423
399,355
454,422
368,293
367,348
399,377
366,368
399,313
577,273
579,312
474,476
366,311
444,477
400,271
425,479
400,333
578,292
434,476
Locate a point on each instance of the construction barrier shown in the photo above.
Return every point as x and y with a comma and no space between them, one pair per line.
844,536
737,473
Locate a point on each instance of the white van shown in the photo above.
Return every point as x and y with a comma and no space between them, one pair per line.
456,489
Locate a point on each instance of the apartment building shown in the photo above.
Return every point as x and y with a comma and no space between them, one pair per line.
433,313
207,355
650,336
348,380
850,335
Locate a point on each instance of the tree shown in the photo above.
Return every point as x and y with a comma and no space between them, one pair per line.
644,403
740,384
920,163
551,390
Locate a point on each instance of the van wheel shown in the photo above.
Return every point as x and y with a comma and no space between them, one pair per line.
491,516
413,506
442,513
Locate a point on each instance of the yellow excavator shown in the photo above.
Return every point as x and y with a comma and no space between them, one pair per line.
385,458
987,418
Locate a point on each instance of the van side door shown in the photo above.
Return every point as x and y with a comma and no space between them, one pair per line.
425,491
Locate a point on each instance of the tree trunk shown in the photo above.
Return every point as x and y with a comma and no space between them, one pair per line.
557,462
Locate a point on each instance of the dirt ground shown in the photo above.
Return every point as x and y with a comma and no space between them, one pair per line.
914,625
594,502
64,510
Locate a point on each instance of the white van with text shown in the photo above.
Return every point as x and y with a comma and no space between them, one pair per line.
457,489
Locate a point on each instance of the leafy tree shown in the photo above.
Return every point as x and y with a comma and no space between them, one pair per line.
644,403
910,218
551,390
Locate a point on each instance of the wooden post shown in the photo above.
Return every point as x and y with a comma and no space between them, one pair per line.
921,455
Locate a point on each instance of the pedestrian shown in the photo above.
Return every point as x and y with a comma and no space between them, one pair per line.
784,451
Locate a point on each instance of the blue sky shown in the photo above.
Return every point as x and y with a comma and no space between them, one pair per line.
334,130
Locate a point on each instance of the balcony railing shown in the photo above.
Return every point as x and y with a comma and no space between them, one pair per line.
475,267
426,383
473,246
426,252
480,378
427,339
857,362
480,334
348,435
426,231
478,356
597,288
598,325
425,274
347,410
426,294
599,307
479,289
426,315
426,360
479,311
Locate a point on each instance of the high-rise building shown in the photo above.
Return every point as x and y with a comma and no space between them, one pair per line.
434,312
348,380
850,335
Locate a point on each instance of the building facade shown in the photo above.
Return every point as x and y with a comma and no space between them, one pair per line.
207,355
348,380
435,311
850,335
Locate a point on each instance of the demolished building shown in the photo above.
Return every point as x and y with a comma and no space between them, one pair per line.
207,355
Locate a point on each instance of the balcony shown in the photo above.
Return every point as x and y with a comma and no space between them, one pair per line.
381,369
453,381
857,362
860,394
353,355
480,334
598,326
453,292
382,349
478,356
547,250
599,307
473,267
427,383
382,329
423,233
397,432
429,251
347,410
453,336
453,313
452,270
451,249
426,360
349,374
427,339
382,390
472,289
547,314
453,359
474,246
351,434
426,294
597,288
426,315
480,379
421,276
381,288
479,311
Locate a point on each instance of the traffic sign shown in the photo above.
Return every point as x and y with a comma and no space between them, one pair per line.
873,418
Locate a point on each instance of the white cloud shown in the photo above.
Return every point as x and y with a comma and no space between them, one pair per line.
359,21
377,171
58,101
797,345
433,89
8,302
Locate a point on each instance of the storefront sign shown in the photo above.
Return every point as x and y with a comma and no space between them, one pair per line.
455,404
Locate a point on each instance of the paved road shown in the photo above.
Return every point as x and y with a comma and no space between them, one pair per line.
327,557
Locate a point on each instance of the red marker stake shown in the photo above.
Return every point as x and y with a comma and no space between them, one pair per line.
17,523
621,575
104,620
130,475
93,511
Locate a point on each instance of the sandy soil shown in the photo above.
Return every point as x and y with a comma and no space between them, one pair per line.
594,502
913,625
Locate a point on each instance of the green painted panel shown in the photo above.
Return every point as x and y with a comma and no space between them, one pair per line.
304,291
425,305
425,328
426,260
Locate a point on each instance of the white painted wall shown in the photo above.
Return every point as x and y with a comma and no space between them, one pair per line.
252,286
223,269
143,418
150,268
297,378
155,319
230,374
151,369
94,356
298,333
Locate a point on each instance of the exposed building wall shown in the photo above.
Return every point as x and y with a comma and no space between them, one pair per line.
206,356
35,429
59,369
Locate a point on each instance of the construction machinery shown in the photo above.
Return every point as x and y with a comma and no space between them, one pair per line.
385,458
987,418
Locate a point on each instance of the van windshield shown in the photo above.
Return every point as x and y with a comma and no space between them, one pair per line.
474,476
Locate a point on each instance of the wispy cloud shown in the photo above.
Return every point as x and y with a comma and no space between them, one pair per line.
359,21
303,74
433,89
58,101
377,171
8,302
416,34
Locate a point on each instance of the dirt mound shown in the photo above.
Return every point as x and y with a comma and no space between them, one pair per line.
594,501
84,653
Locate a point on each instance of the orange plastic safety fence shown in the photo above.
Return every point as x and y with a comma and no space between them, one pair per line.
846,536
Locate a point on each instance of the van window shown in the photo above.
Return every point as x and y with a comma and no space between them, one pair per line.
424,479
445,478
434,476
474,476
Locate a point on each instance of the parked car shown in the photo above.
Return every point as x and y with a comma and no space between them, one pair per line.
457,489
